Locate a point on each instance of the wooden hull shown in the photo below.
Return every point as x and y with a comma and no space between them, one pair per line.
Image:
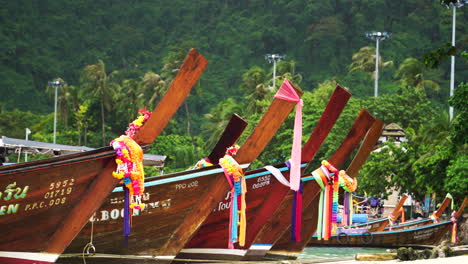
50,200
422,235
160,232
170,200
44,193
277,233
264,193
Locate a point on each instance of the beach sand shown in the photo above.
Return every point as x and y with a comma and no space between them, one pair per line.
451,260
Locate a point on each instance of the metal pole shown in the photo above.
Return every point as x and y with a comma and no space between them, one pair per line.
27,138
376,84
274,73
452,66
55,112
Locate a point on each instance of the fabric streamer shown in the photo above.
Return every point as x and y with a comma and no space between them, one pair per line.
130,170
453,219
288,93
402,212
235,177
391,221
452,204
296,216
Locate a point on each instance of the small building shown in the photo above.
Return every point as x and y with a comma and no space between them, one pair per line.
394,131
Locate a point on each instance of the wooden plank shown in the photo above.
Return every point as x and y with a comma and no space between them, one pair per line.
335,106
366,148
443,206
101,187
396,213
231,134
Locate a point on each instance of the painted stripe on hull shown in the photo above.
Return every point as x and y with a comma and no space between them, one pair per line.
10,257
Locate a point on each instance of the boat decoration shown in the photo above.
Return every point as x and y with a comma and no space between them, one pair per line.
287,92
453,219
235,177
130,170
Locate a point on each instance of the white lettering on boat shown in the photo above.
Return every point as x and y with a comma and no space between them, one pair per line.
181,186
56,195
262,182
116,213
223,205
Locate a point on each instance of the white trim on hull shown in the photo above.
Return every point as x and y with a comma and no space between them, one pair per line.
212,253
27,257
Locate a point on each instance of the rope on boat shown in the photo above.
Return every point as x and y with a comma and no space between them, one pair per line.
90,245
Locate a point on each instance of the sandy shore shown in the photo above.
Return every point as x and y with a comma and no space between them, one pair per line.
452,260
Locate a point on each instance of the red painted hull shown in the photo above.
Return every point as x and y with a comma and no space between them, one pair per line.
264,193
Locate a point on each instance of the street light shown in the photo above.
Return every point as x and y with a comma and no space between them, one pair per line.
377,36
56,84
274,58
454,6
28,131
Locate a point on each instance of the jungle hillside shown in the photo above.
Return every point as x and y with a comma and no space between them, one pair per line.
113,58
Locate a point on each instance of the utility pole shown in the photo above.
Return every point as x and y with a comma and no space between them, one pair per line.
56,84
274,58
377,36
459,3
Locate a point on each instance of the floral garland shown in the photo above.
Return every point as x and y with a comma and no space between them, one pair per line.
205,162
453,219
130,168
236,179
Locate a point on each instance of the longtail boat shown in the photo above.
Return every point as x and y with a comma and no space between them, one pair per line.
264,193
45,203
429,233
178,204
279,234
382,224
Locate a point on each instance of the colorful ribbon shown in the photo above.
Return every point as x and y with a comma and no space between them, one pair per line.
235,177
453,219
287,92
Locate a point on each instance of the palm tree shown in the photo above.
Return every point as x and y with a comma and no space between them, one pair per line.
411,74
287,69
96,81
217,120
170,69
255,81
153,86
364,60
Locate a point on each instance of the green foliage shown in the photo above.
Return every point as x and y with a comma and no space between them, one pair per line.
121,56
460,122
456,181
178,149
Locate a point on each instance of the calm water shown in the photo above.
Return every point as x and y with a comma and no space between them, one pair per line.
336,252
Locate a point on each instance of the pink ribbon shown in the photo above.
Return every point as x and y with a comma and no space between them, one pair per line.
287,92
